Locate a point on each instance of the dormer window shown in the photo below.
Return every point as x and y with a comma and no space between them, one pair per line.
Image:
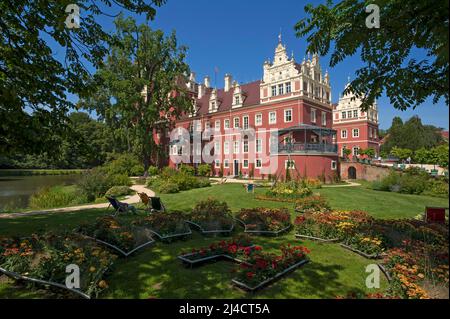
238,99
213,103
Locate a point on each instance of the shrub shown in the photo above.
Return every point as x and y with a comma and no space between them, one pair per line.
204,170
212,214
56,196
172,181
126,164
186,169
120,180
96,182
436,187
168,171
168,187
153,171
117,191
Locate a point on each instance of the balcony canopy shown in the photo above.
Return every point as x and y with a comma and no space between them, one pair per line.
323,131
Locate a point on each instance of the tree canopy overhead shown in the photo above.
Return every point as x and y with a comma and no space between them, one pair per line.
405,26
141,84
33,80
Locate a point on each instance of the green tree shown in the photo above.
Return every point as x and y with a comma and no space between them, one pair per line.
141,84
401,153
405,26
34,79
412,135
422,156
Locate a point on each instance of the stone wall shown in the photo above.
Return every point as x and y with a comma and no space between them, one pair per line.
362,171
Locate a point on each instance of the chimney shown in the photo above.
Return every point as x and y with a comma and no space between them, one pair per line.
207,82
201,91
228,80
192,77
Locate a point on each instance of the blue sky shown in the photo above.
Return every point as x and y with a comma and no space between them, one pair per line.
236,36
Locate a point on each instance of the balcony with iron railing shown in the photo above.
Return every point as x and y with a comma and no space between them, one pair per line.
298,148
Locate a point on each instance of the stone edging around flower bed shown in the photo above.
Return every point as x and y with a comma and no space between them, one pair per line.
218,231
269,280
317,238
213,257
361,253
161,237
43,282
385,272
125,254
269,232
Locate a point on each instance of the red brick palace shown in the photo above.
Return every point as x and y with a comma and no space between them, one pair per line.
282,122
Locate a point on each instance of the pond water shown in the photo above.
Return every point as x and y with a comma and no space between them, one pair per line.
15,191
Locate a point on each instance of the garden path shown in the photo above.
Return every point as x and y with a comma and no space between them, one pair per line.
129,200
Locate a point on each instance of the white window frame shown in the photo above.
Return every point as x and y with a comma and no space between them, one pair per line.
288,87
217,163
217,125
344,115
243,163
226,123
226,147
313,115
275,117
357,132
290,166
324,119
198,126
258,160
342,133
234,122
216,148
260,146
274,90
355,113
245,146
280,89
236,146
245,126
258,122
226,163
357,150
285,112
333,165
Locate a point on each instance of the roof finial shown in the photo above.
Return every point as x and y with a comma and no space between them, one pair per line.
348,79
279,37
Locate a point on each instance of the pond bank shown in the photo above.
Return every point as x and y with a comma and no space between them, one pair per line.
129,200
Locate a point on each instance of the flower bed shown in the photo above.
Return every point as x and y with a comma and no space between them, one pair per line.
256,268
118,234
312,204
289,190
166,226
212,216
42,259
265,268
418,257
353,229
236,249
264,220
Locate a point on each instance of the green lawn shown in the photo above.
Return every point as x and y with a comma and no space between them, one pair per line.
155,271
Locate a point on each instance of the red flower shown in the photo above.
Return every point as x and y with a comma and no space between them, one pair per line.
257,247
250,275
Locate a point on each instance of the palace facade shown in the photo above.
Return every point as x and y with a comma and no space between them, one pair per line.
286,121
